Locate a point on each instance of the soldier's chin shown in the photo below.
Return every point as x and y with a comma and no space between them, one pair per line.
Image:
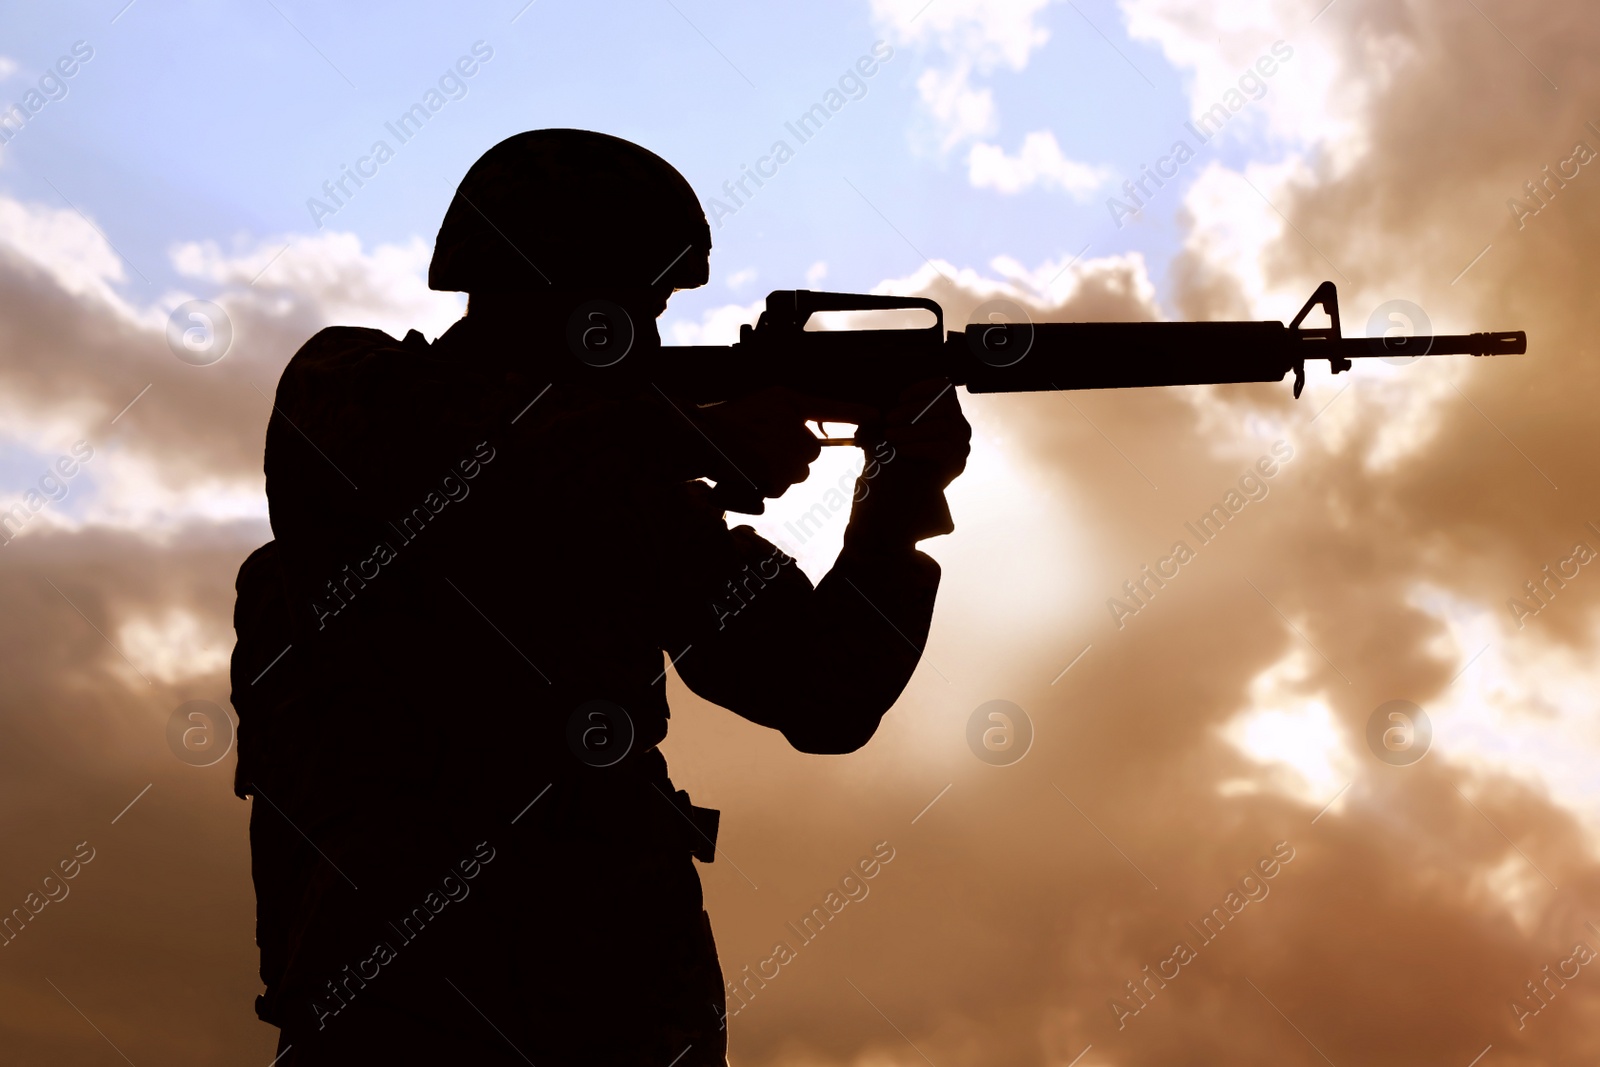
641,301
652,300
644,303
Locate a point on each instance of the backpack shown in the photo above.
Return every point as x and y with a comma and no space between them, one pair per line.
266,698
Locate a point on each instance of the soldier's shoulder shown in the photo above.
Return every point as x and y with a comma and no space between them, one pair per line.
337,344
362,360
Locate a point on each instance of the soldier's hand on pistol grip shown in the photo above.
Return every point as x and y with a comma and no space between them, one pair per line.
927,427
761,443
916,449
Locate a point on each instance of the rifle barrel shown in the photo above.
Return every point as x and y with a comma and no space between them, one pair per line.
1024,357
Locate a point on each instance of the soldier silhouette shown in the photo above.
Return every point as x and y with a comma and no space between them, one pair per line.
450,675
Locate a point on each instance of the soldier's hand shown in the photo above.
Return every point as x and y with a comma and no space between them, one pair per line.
762,438
926,427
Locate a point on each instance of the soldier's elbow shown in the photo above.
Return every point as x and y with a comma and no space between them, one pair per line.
840,735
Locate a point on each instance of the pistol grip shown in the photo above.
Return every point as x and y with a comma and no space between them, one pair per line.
738,496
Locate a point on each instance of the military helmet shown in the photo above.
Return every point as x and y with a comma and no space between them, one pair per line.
570,208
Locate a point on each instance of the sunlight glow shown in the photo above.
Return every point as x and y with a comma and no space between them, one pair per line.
175,646
1293,734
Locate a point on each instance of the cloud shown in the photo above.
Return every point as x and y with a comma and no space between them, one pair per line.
385,288
1175,752
991,32
718,326
83,736
1320,96
1041,162
960,110
1224,717
67,248
8,67
75,352
973,38
1188,745
118,608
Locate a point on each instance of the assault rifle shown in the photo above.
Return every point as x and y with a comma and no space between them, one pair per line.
997,356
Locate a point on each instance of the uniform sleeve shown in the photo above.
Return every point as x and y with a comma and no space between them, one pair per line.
820,664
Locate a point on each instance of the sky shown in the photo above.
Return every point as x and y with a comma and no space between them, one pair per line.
1425,539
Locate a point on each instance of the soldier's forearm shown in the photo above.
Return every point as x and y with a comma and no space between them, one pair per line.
895,510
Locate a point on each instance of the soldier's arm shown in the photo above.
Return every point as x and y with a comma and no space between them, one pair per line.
820,664
824,664
372,441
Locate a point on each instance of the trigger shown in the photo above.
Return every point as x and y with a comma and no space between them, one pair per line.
823,439
1299,378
